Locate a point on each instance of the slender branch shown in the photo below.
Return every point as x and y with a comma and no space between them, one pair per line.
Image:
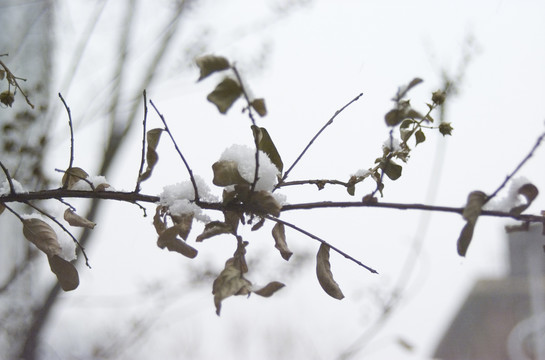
252,119
323,242
192,178
400,206
329,122
137,187
519,166
12,79
8,177
45,213
60,193
70,124
321,183
133,197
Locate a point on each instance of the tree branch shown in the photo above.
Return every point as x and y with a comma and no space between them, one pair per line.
191,177
329,122
337,250
519,166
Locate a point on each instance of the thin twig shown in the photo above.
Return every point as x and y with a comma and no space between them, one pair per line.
8,177
519,166
64,229
137,187
70,124
192,178
323,242
252,119
12,79
329,122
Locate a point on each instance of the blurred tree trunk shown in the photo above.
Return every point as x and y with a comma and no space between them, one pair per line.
27,38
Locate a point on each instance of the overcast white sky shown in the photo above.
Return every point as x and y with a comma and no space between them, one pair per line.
307,65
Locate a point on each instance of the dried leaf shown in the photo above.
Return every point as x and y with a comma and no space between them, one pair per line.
209,64
420,137
2,74
323,271
153,137
214,228
168,239
262,202
391,169
279,235
158,222
226,173
7,98
266,145
2,208
413,83
232,219
269,289
258,224
229,282
66,272
102,187
42,235
72,176
225,94
259,106
75,220
183,223
472,210
530,192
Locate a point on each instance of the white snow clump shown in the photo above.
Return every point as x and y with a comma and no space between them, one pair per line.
244,156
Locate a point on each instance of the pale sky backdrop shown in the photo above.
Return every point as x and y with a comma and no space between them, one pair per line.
306,64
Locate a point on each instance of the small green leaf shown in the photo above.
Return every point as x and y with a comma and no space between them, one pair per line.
391,169
209,64
394,117
259,106
225,94
266,145
420,137
406,123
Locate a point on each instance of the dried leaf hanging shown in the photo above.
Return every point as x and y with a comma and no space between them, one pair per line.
66,272
42,235
472,210
323,271
152,157
279,235
75,220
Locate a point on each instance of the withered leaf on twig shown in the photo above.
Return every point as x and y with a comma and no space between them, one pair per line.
472,210
323,271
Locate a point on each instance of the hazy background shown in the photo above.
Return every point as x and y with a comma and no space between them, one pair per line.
307,59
